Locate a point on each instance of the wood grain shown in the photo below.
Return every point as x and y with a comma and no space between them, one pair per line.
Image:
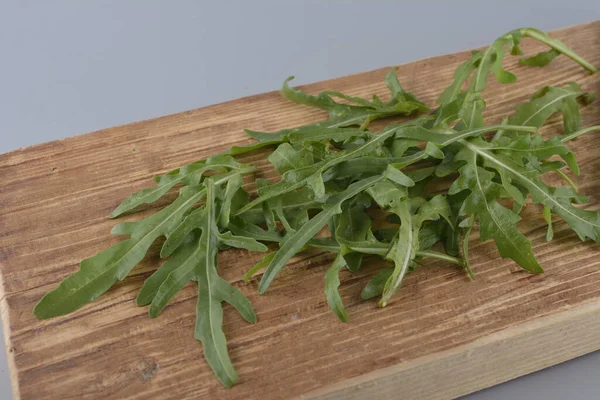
443,336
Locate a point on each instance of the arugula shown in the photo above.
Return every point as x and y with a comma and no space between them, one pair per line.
411,191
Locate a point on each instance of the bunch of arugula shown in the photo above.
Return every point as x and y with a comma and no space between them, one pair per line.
334,173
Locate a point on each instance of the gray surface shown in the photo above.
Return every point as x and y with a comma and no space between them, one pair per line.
70,67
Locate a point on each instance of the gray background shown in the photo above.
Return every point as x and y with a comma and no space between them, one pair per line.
70,67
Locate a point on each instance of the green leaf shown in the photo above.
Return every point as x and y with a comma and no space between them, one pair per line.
395,175
533,148
212,291
491,62
368,166
461,75
190,175
432,233
316,184
548,217
281,215
386,193
558,46
175,281
375,286
151,285
541,59
353,228
322,100
241,242
175,238
275,138
545,103
269,217
471,113
405,246
97,274
312,176
433,209
448,112
328,135
240,227
400,98
402,252
584,222
450,136
259,265
232,188
495,221
332,283
286,158
299,239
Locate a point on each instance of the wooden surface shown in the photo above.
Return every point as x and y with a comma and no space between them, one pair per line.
443,336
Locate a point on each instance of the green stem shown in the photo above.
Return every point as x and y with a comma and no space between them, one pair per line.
440,256
558,46
580,132
566,179
490,128
465,251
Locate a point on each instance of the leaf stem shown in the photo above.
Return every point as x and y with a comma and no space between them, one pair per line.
580,132
465,251
567,179
440,256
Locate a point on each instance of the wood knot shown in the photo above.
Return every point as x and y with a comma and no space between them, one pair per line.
147,369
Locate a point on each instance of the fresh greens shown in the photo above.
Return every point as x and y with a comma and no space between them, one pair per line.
356,194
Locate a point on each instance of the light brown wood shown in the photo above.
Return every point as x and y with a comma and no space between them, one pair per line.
443,336
498,357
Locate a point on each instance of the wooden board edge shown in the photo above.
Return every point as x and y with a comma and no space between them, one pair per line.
10,359
488,361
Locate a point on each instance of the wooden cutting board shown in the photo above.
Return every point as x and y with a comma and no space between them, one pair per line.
442,337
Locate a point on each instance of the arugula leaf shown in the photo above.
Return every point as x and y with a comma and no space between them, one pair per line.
189,175
558,46
231,190
375,286
299,239
97,274
495,221
406,244
175,281
461,75
312,176
181,232
403,250
541,59
401,103
241,242
154,282
242,228
332,283
400,96
584,222
212,291
482,63
340,115
549,100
